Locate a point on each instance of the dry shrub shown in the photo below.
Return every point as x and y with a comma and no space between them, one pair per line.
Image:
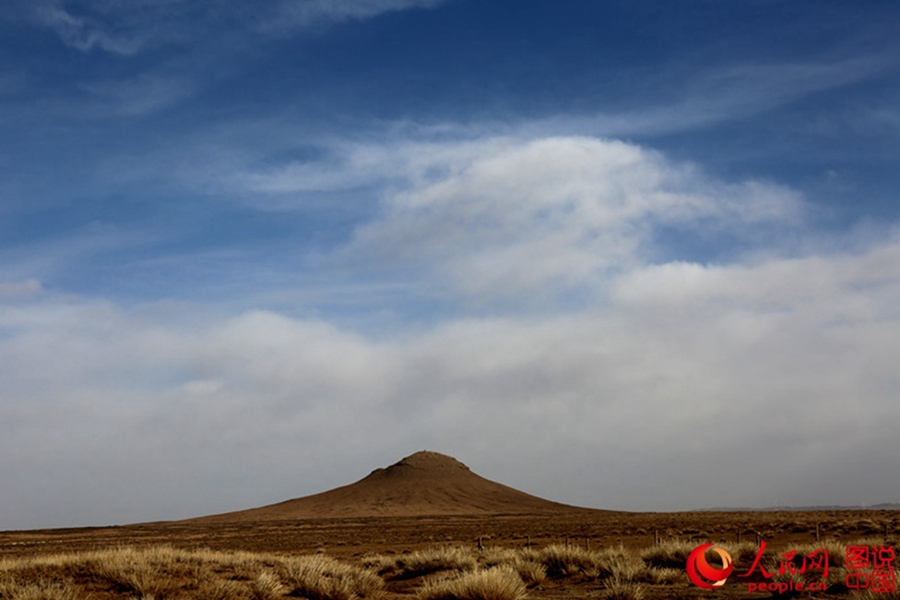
498,583
566,561
571,561
618,589
620,563
670,554
128,573
41,590
219,589
423,562
162,572
267,587
526,563
531,572
380,563
663,575
320,577
494,556
151,571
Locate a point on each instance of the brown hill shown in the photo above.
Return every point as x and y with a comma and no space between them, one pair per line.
423,484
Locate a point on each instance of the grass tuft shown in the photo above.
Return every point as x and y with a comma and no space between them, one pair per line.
423,562
619,589
40,590
669,555
320,577
566,561
267,586
497,583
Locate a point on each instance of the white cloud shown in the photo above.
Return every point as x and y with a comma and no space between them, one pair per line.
85,33
740,381
126,28
303,13
784,281
512,217
786,368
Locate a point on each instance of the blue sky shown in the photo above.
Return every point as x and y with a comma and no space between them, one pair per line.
599,251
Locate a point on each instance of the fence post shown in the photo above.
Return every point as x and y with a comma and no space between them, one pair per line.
817,532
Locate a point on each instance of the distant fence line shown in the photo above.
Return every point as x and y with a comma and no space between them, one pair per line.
658,538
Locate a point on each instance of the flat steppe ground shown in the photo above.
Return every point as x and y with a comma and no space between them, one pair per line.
355,537
352,539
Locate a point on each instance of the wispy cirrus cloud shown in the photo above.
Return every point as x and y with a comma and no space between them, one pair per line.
142,95
126,28
293,14
85,33
720,94
63,257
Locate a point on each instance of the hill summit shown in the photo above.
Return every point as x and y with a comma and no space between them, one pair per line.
423,464
422,484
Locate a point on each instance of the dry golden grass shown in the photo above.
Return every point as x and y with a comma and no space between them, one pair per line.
532,573
423,562
153,571
566,561
525,562
454,558
497,583
619,589
267,586
664,576
570,561
165,572
440,573
320,577
621,564
12,590
669,554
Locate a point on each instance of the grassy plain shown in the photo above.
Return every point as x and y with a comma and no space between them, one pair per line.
585,554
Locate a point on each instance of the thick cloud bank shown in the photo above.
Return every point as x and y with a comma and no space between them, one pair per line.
767,377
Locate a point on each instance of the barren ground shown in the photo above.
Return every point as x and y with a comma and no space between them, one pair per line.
352,538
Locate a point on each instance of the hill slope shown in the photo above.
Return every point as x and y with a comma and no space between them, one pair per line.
422,484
